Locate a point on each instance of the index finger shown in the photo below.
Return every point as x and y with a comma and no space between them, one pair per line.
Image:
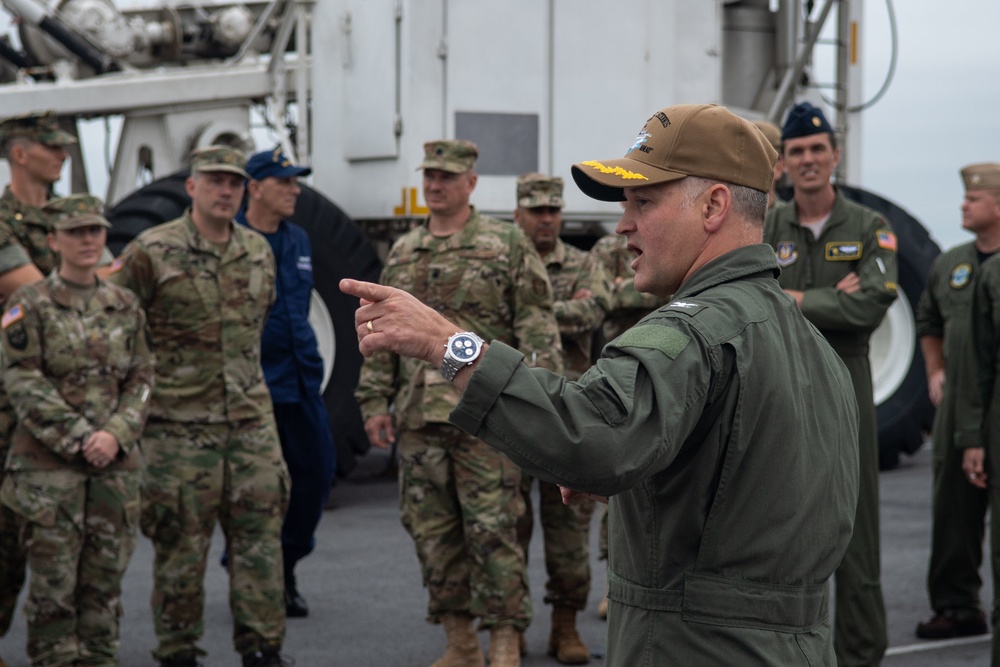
370,292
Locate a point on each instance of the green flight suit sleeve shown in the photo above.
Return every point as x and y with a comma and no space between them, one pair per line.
36,399
929,319
576,316
625,419
129,417
831,309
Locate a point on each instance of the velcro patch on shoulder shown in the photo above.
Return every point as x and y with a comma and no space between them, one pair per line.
667,340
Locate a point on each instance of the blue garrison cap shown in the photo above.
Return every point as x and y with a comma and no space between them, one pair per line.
274,163
803,120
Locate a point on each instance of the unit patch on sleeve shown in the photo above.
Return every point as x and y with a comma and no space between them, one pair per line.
843,252
886,240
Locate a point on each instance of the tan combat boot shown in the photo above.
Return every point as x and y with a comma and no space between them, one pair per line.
565,644
504,647
463,648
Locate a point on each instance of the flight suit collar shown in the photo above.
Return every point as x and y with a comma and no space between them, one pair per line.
740,263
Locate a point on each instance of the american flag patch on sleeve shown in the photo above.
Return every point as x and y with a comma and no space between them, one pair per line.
886,240
11,316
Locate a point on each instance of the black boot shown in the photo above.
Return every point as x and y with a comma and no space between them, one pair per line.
295,604
185,659
269,658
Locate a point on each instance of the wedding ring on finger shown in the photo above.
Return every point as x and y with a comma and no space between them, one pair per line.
371,329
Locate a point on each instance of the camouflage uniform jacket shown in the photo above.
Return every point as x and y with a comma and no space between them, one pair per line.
628,305
570,270
23,235
73,368
487,278
206,311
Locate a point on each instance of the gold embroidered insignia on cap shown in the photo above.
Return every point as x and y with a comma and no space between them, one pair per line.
617,171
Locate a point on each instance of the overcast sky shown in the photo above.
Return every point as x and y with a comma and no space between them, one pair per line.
942,110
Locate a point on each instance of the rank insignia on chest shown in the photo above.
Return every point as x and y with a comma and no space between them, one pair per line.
786,253
842,252
960,275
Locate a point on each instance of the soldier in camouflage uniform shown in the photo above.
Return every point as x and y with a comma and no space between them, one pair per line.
628,306
79,370
211,447
582,297
459,498
35,150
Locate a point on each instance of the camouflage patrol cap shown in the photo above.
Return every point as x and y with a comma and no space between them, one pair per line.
981,176
219,158
76,211
702,140
40,126
771,132
453,155
534,190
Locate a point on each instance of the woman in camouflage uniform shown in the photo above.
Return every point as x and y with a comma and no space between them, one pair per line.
79,373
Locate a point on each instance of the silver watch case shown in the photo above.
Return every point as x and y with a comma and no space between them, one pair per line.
462,349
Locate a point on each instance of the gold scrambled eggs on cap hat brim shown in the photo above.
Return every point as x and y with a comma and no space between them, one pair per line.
703,140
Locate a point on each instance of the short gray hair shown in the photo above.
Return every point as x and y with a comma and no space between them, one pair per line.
748,203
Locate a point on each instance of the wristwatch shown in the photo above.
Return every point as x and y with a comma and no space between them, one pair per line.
461,350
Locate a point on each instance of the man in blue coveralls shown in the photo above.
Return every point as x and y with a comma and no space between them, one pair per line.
290,356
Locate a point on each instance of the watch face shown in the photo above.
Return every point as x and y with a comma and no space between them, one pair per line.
464,348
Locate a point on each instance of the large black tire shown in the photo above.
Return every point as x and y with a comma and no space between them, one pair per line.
906,415
340,250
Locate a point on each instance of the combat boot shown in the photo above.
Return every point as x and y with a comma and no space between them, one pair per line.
565,644
184,659
268,658
504,647
463,648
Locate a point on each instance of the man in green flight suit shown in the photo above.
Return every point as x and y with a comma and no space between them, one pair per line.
723,426
838,260
944,324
